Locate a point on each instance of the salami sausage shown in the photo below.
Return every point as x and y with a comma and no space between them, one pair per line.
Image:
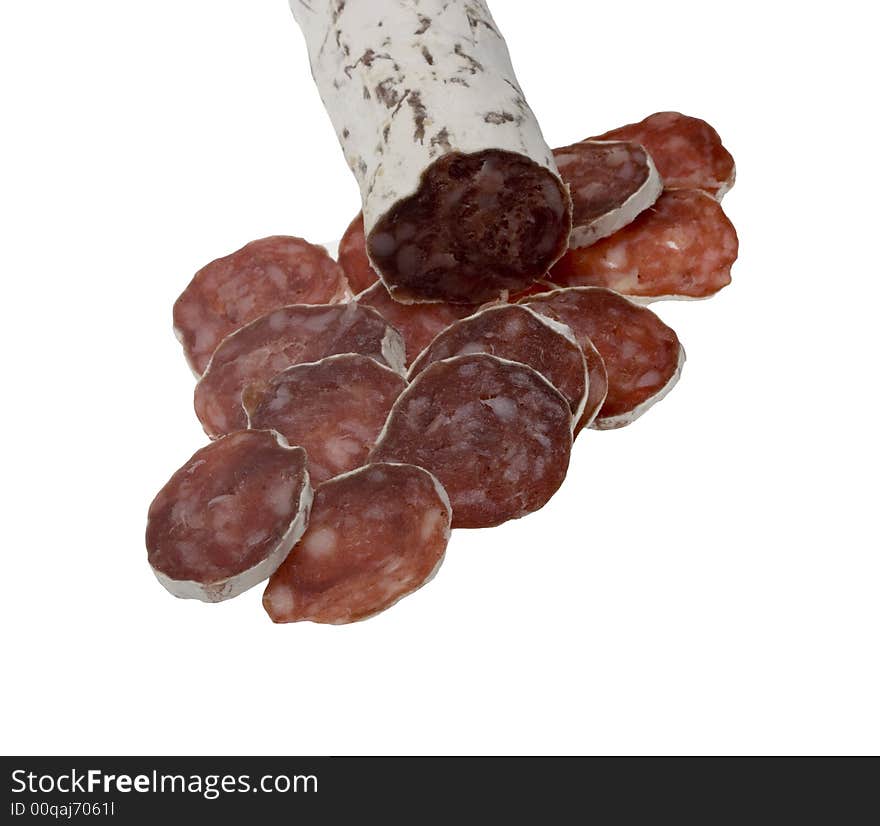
517,333
417,323
334,408
228,518
687,151
262,276
461,198
682,247
292,335
495,433
353,257
642,356
611,182
375,535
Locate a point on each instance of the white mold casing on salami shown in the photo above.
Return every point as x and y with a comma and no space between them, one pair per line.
406,83
220,589
638,199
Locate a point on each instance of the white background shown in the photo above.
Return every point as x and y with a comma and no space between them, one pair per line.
706,580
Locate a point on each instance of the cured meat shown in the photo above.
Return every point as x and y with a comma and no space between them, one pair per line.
683,247
334,408
262,276
541,286
517,333
687,151
228,518
495,433
292,335
642,356
353,257
610,182
597,384
461,198
375,535
417,323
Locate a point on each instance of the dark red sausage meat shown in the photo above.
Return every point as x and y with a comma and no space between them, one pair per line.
375,535
495,433
334,408
261,276
292,335
228,518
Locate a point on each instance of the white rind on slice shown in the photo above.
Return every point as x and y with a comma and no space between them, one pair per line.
623,419
233,586
622,215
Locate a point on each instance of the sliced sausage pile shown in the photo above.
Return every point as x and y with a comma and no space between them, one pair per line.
350,432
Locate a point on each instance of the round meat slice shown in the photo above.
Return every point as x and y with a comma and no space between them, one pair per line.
495,433
417,323
353,257
261,276
375,535
334,408
517,333
228,518
683,247
687,151
610,182
642,356
292,335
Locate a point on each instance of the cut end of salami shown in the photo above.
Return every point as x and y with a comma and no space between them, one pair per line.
642,356
353,257
228,518
375,535
682,247
334,408
479,225
517,333
417,323
261,276
610,182
251,356
495,433
687,151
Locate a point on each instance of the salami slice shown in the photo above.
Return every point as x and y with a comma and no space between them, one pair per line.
334,408
495,433
687,151
682,247
353,257
262,276
228,518
292,335
461,198
517,333
610,182
375,535
642,356
598,381
417,323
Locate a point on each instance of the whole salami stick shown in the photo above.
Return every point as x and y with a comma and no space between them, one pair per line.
461,196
